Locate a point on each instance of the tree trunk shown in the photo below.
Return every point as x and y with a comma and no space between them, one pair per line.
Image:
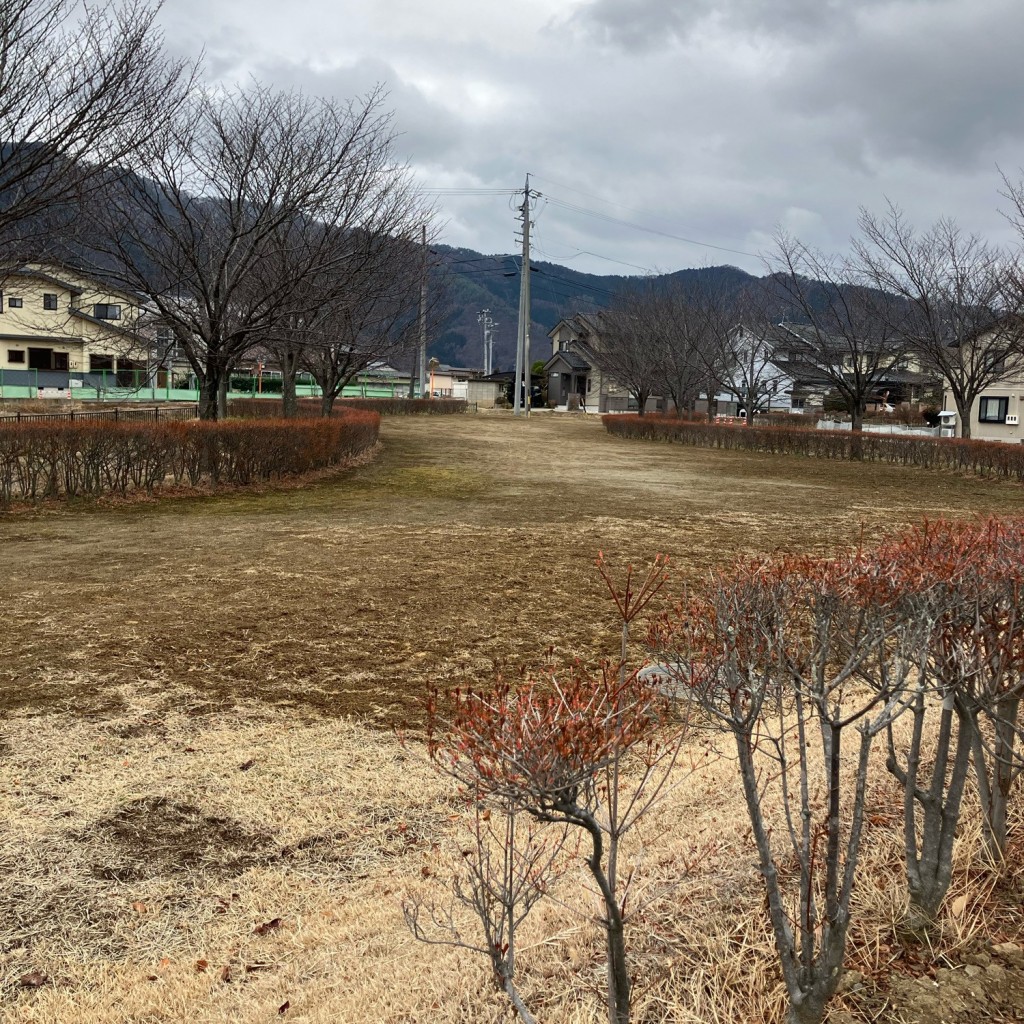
963,414
618,973
857,430
809,1010
618,969
930,859
994,785
289,362
209,394
222,396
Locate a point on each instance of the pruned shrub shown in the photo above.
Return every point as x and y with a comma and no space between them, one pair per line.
248,408
92,458
982,458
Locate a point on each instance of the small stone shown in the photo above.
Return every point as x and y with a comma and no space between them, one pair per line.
981,959
850,981
972,970
1010,952
996,973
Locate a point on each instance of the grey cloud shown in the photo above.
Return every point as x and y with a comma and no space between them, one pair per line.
918,88
636,25
427,131
710,119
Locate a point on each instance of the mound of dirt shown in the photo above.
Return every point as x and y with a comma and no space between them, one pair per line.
157,836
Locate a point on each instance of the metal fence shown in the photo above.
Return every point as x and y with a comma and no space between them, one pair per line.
156,414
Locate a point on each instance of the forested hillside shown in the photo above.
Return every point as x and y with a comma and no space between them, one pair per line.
476,282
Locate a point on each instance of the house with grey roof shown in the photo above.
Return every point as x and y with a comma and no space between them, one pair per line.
574,379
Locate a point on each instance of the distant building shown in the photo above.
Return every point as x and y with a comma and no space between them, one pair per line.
60,329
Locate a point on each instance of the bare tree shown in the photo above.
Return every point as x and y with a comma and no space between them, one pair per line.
239,175
852,335
673,322
961,300
741,344
80,90
792,657
509,866
592,753
631,350
393,290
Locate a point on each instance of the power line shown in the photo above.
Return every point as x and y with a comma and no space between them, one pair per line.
574,208
596,255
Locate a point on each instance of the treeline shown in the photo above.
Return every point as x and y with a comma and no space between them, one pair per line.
89,459
903,313
982,458
257,225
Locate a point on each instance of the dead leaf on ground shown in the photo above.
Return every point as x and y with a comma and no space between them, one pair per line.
267,926
246,765
34,979
201,965
959,905
283,1008
225,973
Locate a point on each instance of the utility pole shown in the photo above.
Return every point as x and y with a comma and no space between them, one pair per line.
423,316
523,340
484,318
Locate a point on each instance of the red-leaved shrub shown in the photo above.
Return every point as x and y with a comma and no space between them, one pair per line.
90,458
247,408
983,458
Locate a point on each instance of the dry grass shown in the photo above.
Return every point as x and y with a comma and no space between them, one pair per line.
189,751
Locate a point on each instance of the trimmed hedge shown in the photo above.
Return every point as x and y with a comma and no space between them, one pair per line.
66,460
247,408
983,458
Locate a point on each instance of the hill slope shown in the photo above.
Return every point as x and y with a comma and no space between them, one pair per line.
477,282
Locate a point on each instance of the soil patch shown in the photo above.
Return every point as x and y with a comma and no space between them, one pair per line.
157,836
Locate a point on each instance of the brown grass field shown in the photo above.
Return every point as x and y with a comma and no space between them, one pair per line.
200,696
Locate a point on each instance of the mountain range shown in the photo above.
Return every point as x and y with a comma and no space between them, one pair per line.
476,282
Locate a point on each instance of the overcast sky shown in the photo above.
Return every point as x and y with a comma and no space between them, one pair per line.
712,120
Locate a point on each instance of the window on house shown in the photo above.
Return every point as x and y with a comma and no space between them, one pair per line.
14,303
16,355
106,311
99,361
49,300
60,360
993,410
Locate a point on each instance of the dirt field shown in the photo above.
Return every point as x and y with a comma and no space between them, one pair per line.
192,690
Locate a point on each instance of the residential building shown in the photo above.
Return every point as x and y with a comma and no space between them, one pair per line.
60,329
801,353
573,376
998,412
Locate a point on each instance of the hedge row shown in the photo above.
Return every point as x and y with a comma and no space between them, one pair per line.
247,408
983,458
50,460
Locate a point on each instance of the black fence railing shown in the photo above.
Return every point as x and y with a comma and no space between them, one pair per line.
153,414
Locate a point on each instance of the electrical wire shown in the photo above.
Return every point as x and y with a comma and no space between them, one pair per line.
572,207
